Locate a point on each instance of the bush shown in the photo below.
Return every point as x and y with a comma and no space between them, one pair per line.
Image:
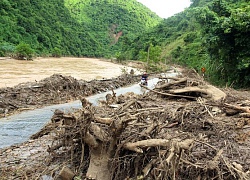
56,52
6,49
24,52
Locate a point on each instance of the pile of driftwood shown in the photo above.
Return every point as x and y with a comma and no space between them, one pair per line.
182,129
55,89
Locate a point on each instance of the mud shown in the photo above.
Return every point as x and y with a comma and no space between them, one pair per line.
14,72
219,134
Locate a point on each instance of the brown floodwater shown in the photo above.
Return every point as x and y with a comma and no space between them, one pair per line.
14,72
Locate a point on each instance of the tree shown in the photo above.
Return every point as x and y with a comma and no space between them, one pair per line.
152,56
24,52
226,32
7,49
56,52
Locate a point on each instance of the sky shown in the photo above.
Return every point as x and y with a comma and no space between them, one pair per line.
166,8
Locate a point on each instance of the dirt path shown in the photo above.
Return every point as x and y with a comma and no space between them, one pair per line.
13,72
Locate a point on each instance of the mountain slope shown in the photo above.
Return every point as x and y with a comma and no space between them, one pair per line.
48,25
211,34
106,18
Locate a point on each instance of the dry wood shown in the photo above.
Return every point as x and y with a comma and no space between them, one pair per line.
149,129
125,106
123,139
244,115
148,167
239,108
66,174
202,102
172,83
103,120
168,94
136,146
211,91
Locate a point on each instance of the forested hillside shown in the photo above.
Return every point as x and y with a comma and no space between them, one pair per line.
71,27
212,34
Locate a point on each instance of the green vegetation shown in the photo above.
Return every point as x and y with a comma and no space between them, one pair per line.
71,27
214,34
211,34
24,52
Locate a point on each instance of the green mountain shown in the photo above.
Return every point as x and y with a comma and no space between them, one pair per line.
212,34
73,27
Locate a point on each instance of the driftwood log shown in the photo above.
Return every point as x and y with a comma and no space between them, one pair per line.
139,140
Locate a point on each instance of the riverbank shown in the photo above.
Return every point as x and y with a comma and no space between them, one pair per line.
48,81
197,137
14,72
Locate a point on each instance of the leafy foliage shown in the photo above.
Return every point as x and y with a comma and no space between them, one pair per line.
24,52
226,29
211,34
76,28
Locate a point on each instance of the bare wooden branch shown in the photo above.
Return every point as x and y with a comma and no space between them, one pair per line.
136,146
166,85
244,115
126,106
168,94
211,91
107,121
148,167
239,108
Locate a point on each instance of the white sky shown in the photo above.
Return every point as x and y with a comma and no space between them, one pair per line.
166,8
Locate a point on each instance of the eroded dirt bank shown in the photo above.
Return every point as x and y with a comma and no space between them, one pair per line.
180,130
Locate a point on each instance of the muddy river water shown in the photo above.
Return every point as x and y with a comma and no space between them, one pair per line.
18,128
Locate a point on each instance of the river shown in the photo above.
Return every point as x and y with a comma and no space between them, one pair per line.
19,127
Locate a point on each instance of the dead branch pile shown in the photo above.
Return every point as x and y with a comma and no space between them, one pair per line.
187,135
55,89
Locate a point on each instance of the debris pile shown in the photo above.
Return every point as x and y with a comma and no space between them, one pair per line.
175,133
182,129
54,90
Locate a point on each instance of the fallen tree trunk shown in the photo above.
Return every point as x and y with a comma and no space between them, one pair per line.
169,84
209,91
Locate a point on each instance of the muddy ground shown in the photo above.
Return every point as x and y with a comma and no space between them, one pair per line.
217,132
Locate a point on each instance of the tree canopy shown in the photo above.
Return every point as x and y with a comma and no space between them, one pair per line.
211,34
77,28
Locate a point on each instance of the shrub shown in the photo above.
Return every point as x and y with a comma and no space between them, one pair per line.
6,49
24,52
56,52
